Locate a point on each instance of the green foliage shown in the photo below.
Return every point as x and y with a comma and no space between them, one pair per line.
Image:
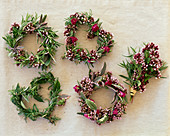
43,58
103,69
103,119
131,66
91,104
20,93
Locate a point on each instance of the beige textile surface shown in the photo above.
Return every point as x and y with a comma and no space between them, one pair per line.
132,22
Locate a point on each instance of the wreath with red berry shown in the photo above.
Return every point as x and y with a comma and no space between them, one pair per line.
77,54
20,95
95,81
142,66
45,36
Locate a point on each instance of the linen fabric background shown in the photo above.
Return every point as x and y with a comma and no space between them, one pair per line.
132,22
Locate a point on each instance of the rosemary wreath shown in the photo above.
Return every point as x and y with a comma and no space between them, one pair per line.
142,66
95,81
77,54
21,94
45,36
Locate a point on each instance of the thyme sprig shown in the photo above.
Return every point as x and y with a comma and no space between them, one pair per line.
21,94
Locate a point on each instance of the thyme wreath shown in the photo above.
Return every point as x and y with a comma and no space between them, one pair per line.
21,94
77,54
95,81
45,36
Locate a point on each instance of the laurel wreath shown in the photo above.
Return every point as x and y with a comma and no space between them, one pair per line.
45,36
20,95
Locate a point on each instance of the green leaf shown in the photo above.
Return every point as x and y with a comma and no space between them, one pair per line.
38,98
133,49
90,12
22,104
127,83
57,84
118,86
100,51
44,18
139,83
91,104
127,78
163,67
82,96
48,62
163,77
103,69
126,99
103,119
97,78
80,113
90,73
35,108
26,98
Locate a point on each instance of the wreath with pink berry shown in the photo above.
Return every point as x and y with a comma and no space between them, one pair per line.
143,65
45,36
77,54
95,81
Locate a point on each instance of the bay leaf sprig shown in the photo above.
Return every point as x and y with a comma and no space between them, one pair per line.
21,94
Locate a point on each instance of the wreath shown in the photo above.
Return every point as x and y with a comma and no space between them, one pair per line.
45,36
77,54
95,81
21,94
142,66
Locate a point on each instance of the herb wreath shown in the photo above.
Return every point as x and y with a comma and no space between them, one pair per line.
95,81
142,66
77,54
24,93
32,24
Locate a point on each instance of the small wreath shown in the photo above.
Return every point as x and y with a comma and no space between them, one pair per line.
92,83
77,54
142,66
45,54
24,93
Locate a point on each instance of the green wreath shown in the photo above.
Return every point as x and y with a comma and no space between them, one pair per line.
24,93
77,54
32,24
